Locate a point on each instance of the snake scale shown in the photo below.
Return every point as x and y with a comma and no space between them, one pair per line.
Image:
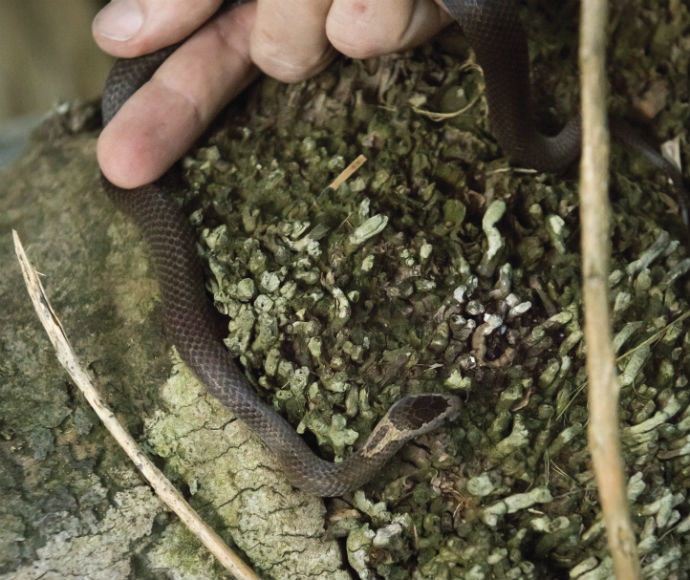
494,32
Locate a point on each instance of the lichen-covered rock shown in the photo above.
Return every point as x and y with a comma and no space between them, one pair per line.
67,491
436,266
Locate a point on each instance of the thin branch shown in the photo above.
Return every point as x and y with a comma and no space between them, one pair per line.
604,441
162,486
348,172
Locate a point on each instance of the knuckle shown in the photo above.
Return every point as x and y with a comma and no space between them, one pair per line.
357,39
286,66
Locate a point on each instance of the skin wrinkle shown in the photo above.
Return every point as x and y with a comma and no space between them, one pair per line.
291,70
295,52
231,42
195,105
214,39
196,94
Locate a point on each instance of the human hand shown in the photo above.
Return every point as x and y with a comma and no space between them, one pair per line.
289,40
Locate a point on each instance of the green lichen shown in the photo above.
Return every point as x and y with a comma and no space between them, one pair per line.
331,328
232,481
436,267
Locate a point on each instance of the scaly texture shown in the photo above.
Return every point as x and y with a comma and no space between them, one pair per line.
496,36
494,31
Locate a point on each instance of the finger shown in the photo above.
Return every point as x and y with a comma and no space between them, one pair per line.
289,41
365,28
163,118
128,28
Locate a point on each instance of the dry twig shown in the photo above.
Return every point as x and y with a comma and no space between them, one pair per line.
604,441
348,172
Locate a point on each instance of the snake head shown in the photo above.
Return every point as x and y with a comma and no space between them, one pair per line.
418,414
410,417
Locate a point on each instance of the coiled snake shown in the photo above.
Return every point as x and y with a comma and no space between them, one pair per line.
494,31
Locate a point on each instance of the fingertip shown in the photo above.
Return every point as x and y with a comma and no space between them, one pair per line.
119,20
129,28
123,162
288,41
373,28
151,131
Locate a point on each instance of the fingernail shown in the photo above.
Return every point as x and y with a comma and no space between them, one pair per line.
119,20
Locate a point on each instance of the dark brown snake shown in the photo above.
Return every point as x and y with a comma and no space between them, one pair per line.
494,32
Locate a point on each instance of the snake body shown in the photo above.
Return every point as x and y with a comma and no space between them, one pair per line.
192,325
494,31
